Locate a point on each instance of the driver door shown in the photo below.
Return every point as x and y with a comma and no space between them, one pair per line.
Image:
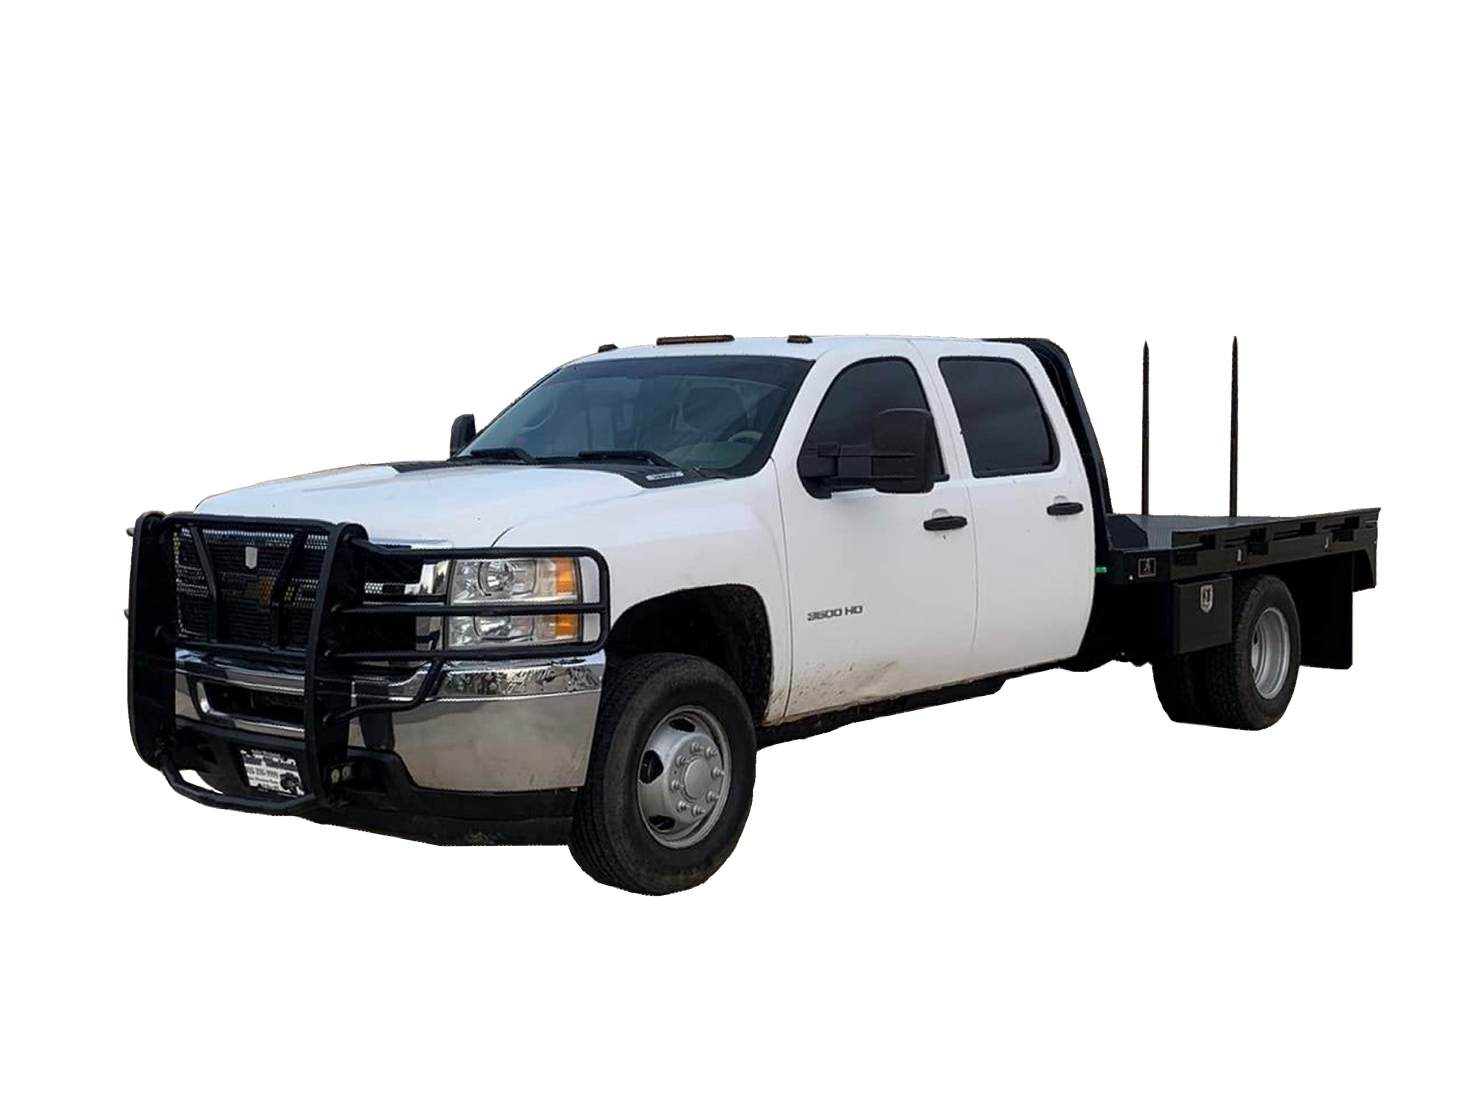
882,587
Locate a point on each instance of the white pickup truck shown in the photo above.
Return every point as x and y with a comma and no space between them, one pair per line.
581,626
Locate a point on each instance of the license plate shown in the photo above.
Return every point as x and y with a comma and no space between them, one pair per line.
271,772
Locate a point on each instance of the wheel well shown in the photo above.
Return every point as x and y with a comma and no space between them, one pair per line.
724,624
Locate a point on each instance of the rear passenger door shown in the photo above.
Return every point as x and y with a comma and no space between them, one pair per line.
1031,508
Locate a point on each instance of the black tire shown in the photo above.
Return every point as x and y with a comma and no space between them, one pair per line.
1227,679
610,839
1179,682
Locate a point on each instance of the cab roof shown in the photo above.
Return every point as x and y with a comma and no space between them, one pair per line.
799,346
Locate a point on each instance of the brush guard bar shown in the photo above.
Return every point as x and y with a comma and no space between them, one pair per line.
328,660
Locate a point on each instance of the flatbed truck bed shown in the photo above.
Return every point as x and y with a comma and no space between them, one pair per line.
1162,548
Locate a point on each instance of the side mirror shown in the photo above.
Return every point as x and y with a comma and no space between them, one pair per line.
901,447
462,432
899,459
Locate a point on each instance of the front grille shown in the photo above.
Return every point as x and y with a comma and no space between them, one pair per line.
398,575
269,604
244,609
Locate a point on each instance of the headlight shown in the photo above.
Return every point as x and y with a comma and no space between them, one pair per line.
517,580
526,580
523,629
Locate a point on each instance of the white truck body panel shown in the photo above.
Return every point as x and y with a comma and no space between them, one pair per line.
863,602
1034,572
880,605
722,532
467,505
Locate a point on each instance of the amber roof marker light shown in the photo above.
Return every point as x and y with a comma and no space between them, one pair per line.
694,339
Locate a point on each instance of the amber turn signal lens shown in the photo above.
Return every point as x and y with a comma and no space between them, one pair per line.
565,574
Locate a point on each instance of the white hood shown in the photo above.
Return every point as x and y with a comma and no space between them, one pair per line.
466,505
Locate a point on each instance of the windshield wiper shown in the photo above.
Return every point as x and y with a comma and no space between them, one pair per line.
499,455
631,455
622,455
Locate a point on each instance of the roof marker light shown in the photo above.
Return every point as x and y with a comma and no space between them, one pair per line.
695,339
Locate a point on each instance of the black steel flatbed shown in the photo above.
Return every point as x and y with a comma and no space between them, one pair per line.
1149,549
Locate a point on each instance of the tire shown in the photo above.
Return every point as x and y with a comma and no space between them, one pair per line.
654,708
1180,685
1230,674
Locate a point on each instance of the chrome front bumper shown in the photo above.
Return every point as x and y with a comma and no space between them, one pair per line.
488,727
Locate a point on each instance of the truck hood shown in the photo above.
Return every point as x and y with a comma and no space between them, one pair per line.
463,504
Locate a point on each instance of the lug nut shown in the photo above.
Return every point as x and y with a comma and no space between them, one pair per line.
682,806
712,797
718,772
696,749
712,753
698,810
675,784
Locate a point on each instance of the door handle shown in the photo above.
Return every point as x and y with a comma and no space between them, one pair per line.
944,523
1064,508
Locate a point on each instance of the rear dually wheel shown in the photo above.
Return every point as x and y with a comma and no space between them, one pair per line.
1251,680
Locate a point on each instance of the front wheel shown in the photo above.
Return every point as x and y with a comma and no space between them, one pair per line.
671,778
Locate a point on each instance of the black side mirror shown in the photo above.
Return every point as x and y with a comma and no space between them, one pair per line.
462,432
900,458
902,443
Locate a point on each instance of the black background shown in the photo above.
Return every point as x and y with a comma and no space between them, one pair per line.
1061,777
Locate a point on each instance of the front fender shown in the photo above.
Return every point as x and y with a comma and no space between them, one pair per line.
723,531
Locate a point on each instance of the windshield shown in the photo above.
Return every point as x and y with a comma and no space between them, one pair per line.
715,414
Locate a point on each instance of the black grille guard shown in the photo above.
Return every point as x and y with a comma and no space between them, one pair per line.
327,661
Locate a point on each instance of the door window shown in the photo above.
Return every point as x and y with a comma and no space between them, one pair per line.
1002,421
847,415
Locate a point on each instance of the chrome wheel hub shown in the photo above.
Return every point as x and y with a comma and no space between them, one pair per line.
1270,653
683,777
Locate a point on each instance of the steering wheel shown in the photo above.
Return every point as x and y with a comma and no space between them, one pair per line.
745,436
